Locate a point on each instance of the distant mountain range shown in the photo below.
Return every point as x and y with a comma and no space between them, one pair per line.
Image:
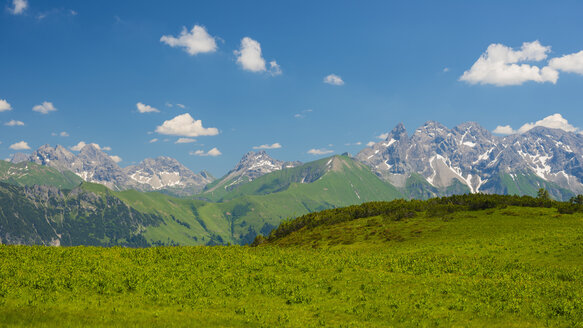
471,158
84,193
93,165
433,161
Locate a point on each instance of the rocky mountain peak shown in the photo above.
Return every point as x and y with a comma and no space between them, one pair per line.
399,132
259,161
251,166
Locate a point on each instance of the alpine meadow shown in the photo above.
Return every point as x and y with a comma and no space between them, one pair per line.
291,164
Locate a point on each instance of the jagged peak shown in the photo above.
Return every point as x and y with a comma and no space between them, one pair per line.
90,148
467,125
47,147
433,125
398,132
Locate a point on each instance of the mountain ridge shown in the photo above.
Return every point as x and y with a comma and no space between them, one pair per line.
471,155
94,165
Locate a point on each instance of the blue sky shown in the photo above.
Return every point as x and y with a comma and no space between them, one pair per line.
85,65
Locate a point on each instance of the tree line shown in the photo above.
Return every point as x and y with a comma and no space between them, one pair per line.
400,209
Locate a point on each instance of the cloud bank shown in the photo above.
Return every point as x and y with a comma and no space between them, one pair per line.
213,153
321,151
555,121
501,65
44,108
143,108
22,145
14,123
266,146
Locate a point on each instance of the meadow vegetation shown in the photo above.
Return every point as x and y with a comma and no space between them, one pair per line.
457,261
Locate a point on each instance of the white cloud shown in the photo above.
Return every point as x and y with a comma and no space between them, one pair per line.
194,42
78,146
213,152
321,151
333,79
499,66
18,6
115,158
154,140
572,63
64,134
185,140
358,143
82,144
14,123
4,105
555,121
250,58
504,129
44,108
446,69
22,145
274,68
181,106
266,146
169,105
303,114
383,136
370,143
143,108
185,125
249,55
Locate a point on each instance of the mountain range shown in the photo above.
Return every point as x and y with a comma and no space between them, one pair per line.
85,192
471,159
94,165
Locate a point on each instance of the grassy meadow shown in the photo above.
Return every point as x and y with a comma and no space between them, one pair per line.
512,267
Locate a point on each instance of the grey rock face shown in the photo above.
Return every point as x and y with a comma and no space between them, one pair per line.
471,155
164,172
256,164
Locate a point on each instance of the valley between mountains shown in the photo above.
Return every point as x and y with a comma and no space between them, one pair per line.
54,196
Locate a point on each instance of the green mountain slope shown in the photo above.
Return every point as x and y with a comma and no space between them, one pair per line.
526,183
259,206
45,215
28,174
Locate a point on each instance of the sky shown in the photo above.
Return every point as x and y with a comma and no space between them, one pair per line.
206,82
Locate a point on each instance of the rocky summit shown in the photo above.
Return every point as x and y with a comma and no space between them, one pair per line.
251,166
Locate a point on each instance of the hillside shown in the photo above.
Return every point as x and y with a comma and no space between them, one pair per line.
258,206
44,215
28,174
514,263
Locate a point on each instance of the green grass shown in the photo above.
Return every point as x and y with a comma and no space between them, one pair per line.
28,174
510,267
